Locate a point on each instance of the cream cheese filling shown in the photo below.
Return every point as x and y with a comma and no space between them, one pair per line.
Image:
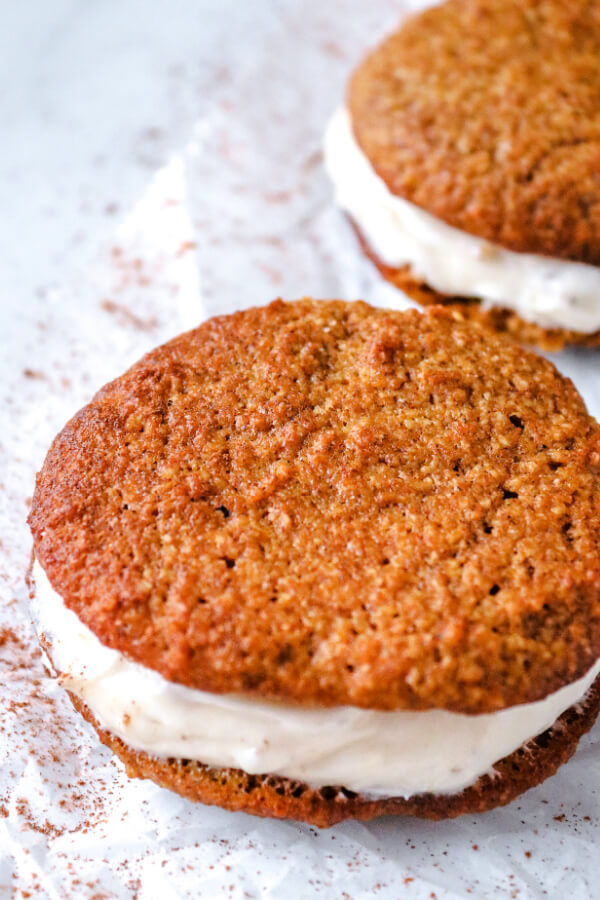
375,753
552,293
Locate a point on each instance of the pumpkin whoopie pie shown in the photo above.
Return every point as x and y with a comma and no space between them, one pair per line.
467,158
320,560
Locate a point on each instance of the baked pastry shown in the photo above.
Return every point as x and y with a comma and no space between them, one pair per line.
467,158
321,560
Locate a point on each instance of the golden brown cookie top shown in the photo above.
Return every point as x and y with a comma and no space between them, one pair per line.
333,504
486,113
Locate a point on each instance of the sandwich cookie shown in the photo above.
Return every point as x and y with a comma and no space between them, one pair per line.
318,560
467,158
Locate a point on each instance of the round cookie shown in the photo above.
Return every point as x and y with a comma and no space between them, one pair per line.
485,114
324,504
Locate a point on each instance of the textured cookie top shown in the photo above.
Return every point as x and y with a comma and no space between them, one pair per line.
332,504
486,113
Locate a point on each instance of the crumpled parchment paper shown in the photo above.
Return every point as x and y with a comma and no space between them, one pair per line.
241,214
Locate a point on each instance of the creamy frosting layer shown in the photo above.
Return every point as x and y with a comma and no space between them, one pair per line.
552,293
374,753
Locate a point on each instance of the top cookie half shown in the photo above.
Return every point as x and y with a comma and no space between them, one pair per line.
486,113
331,504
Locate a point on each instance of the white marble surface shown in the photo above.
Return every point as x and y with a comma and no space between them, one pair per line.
227,101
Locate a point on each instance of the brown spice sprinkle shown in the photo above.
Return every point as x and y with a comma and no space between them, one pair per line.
486,113
332,504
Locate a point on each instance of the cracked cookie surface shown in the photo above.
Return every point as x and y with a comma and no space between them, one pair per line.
329,504
486,113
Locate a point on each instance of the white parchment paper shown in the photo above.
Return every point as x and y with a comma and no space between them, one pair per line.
241,214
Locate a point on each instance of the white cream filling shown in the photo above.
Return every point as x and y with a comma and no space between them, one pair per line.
553,293
375,753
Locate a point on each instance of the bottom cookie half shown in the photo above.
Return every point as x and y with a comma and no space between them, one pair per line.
283,798
499,319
